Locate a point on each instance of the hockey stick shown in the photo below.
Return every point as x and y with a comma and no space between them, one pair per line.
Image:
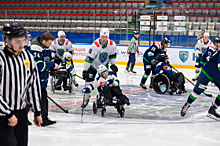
84,95
209,95
66,111
79,76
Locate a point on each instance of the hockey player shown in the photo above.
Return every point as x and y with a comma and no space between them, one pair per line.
61,45
200,49
28,44
132,49
67,63
101,51
209,72
150,59
108,84
209,52
42,55
178,78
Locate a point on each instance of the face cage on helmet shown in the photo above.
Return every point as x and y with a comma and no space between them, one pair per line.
102,73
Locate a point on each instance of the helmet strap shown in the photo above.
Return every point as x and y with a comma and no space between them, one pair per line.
12,48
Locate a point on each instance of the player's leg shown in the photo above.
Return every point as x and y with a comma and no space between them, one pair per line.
116,91
128,64
59,82
132,63
197,67
199,88
152,77
212,110
92,74
107,95
147,70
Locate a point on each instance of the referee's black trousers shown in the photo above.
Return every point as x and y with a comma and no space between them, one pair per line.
44,103
14,136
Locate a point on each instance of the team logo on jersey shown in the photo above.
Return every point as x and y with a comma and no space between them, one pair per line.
103,56
27,64
60,52
183,55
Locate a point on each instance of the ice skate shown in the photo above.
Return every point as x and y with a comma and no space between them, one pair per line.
133,71
184,109
195,79
127,69
75,83
143,86
213,114
47,121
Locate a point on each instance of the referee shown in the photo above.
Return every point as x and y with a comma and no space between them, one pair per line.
19,87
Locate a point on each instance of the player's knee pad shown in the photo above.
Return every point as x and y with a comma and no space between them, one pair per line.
199,88
145,76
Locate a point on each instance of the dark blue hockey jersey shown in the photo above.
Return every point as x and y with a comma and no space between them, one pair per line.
44,60
212,68
207,55
153,52
165,67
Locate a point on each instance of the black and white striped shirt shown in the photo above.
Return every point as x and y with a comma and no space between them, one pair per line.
19,83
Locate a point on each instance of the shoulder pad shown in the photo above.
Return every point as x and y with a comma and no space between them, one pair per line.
67,42
158,45
111,42
97,44
201,41
97,78
36,48
160,63
55,41
212,48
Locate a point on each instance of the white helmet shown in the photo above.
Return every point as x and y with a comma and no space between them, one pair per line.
61,33
67,55
104,32
101,69
206,34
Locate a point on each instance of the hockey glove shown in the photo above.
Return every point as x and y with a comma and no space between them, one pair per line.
85,90
114,67
154,62
85,74
109,82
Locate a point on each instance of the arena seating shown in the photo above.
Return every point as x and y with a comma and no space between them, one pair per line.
71,16
199,15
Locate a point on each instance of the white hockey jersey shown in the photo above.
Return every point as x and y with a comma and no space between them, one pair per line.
100,81
201,47
99,54
58,50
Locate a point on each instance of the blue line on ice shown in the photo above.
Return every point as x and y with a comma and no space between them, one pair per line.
141,123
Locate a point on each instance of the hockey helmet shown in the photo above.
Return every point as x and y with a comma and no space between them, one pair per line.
67,55
104,32
136,32
101,69
166,40
13,30
216,40
163,57
206,34
61,33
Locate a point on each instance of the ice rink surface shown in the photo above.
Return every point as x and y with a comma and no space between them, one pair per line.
151,119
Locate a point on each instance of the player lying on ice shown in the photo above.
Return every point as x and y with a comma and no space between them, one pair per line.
164,66
108,84
66,64
209,72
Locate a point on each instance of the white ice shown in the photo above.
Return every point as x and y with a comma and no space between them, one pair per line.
151,119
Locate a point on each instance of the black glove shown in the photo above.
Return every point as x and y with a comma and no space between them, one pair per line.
114,67
110,81
154,62
85,74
